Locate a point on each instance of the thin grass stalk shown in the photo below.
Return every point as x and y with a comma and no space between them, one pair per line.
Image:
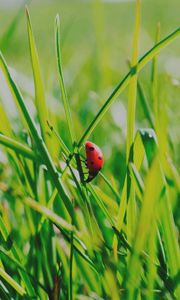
61,81
125,81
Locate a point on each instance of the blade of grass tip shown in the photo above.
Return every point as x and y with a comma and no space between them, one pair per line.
131,207
18,147
61,80
18,288
40,102
46,158
125,81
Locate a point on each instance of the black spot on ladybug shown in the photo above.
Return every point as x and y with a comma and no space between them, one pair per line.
91,148
99,157
92,163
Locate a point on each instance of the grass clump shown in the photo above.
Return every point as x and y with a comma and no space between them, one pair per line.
63,238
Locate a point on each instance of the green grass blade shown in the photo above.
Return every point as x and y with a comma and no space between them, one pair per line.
40,101
145,105
46,158
16,254
19,289
18,147
61,80
170,238
133,83
123,84
48,214
132,93
147,214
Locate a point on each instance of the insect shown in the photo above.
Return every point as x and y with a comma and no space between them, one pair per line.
94,160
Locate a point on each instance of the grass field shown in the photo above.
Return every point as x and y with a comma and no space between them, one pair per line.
108,72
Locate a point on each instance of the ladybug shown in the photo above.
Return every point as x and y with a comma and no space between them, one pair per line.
94,160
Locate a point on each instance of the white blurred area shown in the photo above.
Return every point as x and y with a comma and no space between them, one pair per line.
15,3
10,3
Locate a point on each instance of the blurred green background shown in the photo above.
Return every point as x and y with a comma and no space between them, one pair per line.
96,43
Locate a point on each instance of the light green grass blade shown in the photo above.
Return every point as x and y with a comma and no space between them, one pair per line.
133,83
18,288
145,143
136,180
41,106
123,84
170,238
147,214
131,110
49,214
46,159
61,81
19,148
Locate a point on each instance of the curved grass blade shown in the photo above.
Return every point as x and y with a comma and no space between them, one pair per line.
61,81
18,147
46,158
123,84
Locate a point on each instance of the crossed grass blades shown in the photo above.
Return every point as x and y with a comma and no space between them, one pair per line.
87,241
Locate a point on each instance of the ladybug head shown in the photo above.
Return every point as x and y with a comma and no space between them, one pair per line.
88,145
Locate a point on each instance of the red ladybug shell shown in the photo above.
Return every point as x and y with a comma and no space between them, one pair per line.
95,159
